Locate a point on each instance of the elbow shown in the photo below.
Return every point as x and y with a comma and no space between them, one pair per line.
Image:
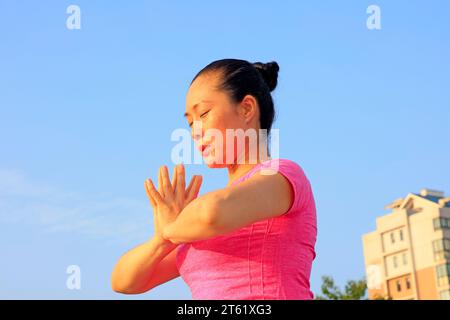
120,284
124,288
117,287
167,236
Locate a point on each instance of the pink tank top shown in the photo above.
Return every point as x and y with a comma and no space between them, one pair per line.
268,260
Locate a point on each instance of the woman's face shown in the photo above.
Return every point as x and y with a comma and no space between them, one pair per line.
215,110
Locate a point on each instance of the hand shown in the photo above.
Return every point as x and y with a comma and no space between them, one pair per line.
170,199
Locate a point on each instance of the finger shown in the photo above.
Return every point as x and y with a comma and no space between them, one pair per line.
181,183
191,183
193,193
174,178
152,201
167,186
196,187
154,193
160,183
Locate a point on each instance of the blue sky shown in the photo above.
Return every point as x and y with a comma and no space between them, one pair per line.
86,115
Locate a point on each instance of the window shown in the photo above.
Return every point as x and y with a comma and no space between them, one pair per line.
443,274
392,237
401,234
446,244
408,284
399,286
394,261
405,258
445,295
438,245
440,223
440,248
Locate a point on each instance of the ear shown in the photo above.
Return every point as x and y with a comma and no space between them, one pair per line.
248,108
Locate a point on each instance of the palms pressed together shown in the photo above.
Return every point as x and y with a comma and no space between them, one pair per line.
170,198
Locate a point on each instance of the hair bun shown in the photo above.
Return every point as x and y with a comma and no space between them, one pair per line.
269,72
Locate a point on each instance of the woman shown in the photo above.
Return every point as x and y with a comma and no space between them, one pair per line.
253,239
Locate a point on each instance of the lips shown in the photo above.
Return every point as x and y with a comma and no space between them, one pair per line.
204,147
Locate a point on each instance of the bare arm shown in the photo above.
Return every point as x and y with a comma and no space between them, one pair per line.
195,221
154,262
144,267
226,210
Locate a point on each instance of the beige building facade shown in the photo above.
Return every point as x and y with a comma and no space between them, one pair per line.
408,255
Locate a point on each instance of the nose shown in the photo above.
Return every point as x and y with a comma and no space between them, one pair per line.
197,132
197,140
196,135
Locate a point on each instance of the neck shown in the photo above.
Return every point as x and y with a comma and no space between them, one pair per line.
240,168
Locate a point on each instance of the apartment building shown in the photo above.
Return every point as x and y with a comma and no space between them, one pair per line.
408,255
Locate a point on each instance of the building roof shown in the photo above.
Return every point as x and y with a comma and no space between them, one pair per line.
431,198
428,194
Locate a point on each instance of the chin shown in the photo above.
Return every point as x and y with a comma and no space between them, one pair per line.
213,164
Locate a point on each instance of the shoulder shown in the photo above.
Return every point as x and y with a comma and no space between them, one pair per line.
290,169
274,188
282,164
293,174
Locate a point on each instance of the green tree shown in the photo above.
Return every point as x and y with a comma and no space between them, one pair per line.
354,290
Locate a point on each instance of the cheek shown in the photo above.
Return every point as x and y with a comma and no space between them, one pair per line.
223,121
214,124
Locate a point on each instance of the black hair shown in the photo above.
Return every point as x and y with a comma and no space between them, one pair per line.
240,77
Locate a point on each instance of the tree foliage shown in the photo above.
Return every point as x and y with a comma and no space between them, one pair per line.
354,290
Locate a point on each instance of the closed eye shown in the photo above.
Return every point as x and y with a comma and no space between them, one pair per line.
203,114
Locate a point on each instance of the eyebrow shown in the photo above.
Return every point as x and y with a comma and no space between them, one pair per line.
195,106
